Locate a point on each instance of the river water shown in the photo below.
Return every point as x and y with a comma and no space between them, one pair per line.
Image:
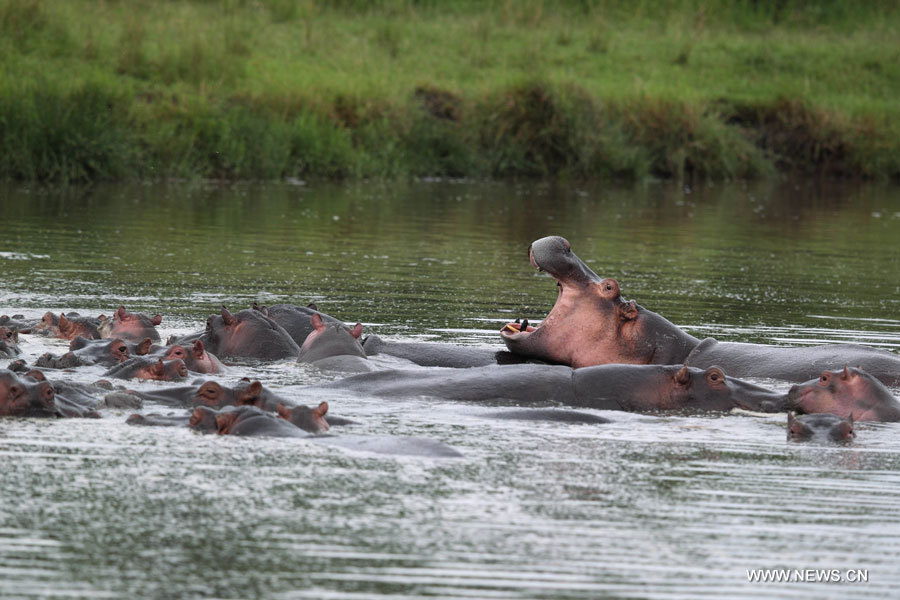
651,506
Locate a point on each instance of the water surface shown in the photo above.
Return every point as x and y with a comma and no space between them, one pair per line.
647,506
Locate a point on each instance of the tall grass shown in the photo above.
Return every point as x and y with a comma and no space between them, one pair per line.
266,89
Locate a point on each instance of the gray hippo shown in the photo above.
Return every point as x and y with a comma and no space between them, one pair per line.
592,324
845,392
247,334
819,427
333,347
130,326
252,422
633,388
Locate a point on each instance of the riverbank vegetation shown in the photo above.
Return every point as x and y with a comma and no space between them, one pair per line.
267,89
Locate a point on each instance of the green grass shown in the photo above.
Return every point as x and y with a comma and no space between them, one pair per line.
265,89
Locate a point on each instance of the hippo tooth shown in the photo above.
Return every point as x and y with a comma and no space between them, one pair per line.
524,325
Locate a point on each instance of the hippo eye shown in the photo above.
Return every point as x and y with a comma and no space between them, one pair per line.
824,378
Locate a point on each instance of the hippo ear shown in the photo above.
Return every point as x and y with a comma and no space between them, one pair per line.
256,307
683,376
850,419
356,331
121,313
36,375
159,368
198,349
321,409
255,388
226,316
144,347
15,336
845,374
283,411
628,311
63,322
313,306
247,379
316,321
609,289
157,319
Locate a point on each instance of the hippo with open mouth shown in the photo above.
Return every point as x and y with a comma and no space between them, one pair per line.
591,324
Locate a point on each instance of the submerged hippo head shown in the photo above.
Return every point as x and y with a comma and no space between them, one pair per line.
9,339
590,323
249,333
659,388
213,395
24,396
203,419
306,418
821,426
196,358
330,339
851,390
131,326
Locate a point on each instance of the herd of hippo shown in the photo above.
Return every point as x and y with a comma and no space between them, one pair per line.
593,350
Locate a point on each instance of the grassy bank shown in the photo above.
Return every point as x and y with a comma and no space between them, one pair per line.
264,89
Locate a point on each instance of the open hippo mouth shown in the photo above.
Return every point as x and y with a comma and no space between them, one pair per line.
554,256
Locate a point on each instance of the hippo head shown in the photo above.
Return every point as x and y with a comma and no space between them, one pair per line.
851,390
118,350
196,358
29,395
590,323
203,418
227,420
69,328
213,395
333,339
9,339
306,418
132,326
170,370
824,426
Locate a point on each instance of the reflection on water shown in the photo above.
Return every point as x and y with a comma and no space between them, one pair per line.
646,506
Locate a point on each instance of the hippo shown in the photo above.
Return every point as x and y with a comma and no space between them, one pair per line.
158,420
196,359
591,324
820,426
431,354
9,340
333,347
203,419
849,391
31,395
94,352
296,320
215,395
73,399
142,367
247,334
251,421
130,326
306,418
18,322
67,326
25,396
632,388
